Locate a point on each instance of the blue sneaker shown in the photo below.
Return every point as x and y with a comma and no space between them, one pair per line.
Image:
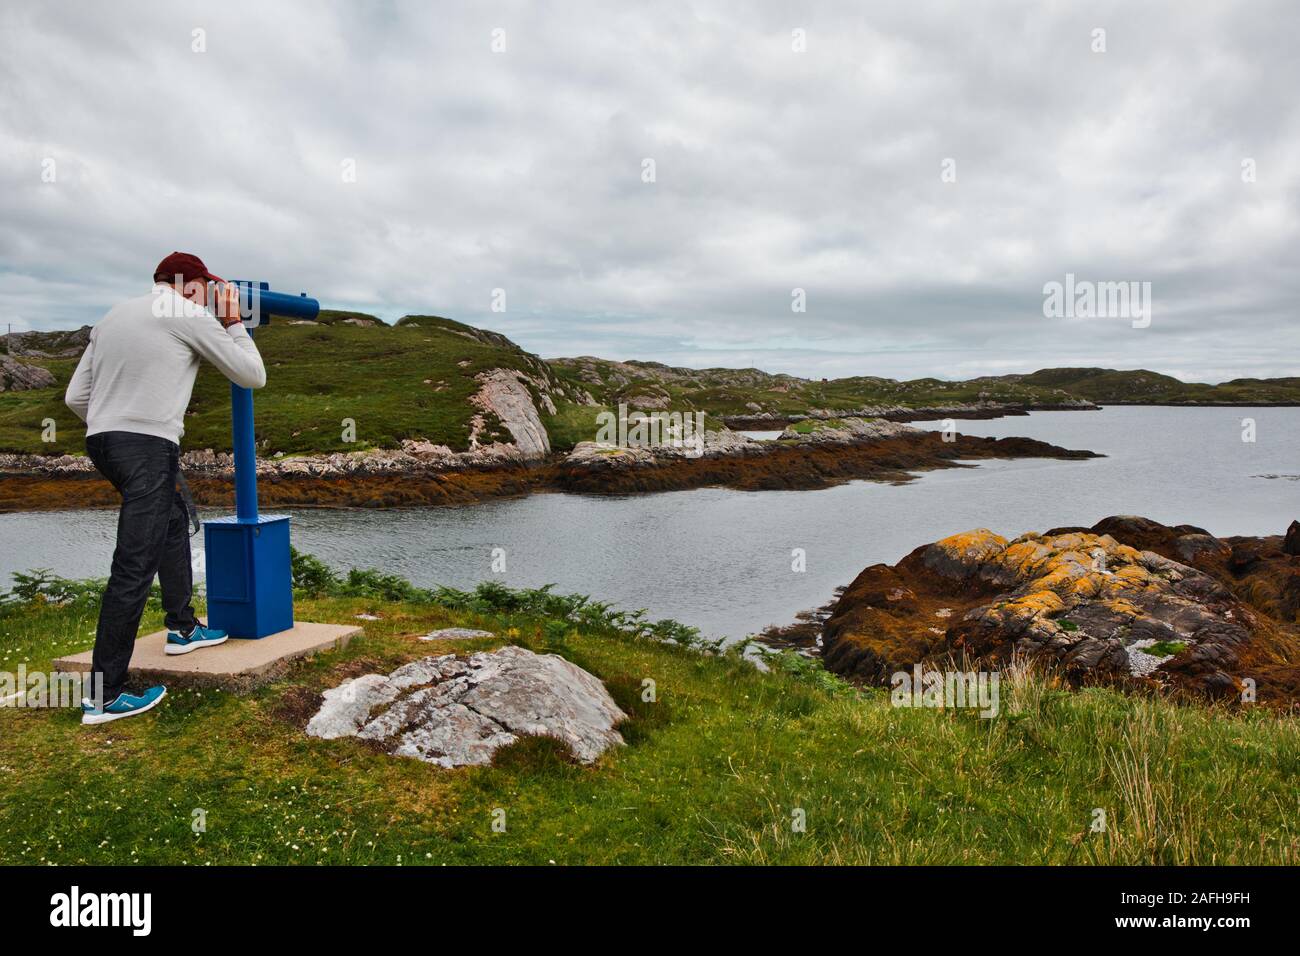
201,636
123,705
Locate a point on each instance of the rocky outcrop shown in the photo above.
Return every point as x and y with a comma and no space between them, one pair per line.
1260,571
415,457
734,461
1291,543
15,376
845,431
909,413
502,393
61,343
1128,599
674,445
454,711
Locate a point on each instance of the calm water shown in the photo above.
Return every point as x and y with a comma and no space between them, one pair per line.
721,559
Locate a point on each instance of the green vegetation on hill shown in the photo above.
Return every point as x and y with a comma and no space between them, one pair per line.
717,769
394,383
744,392
740,392
23,414
415,379
1140,386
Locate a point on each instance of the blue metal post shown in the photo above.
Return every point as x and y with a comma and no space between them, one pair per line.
241,418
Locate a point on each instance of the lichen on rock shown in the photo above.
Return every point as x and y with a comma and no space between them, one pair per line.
1084,599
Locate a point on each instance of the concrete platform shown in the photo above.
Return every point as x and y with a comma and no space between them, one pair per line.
234,665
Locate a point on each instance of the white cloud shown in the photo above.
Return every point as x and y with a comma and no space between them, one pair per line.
775,170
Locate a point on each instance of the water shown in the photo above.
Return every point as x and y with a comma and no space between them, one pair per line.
721,559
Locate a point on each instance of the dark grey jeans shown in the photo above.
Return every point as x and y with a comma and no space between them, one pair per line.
152,538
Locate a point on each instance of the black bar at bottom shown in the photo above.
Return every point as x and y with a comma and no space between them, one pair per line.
239,904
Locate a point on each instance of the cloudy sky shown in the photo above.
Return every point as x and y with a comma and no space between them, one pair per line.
775,168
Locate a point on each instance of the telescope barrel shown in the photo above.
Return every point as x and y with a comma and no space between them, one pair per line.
257,303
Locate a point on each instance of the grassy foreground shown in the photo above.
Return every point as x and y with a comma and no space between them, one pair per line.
716,769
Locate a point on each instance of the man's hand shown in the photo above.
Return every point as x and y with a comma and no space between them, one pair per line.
227,304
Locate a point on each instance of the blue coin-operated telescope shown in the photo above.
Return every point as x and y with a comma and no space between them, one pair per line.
250,581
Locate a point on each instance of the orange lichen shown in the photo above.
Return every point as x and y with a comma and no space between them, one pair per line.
1081,597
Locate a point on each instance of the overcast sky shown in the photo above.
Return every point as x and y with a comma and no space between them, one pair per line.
774,170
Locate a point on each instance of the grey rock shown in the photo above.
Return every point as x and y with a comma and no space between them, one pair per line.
674,445
849,431
1189,547
502,393
454,736
416,457
347,707
62,343
18,377
454,711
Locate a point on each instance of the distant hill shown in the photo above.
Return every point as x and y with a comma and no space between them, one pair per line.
417,379
750,392
740,392
1142,387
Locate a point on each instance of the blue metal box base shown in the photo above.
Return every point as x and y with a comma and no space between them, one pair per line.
250,579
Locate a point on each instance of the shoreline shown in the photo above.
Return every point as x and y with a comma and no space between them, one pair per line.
974,413
376,480
981,411
1204,404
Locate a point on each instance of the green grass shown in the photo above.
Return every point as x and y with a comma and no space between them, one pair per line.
572,423
22,414
1165,648
810,425
714,771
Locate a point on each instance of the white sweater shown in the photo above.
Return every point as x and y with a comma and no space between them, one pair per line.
138,371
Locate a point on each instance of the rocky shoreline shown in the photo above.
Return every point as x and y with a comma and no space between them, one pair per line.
423,474
1128,601
968,411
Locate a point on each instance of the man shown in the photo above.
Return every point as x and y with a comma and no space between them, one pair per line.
132,387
